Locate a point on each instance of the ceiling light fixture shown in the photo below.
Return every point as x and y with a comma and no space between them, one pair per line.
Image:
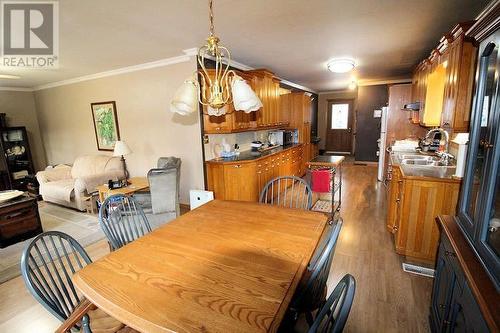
341,65
218,89
9,76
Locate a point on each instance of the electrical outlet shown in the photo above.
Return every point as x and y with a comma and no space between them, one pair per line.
205,139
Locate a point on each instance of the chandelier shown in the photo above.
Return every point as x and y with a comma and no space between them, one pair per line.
217,90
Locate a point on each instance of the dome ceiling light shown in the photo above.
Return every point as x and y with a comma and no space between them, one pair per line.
341,65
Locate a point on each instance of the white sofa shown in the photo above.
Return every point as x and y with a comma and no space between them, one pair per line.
69,186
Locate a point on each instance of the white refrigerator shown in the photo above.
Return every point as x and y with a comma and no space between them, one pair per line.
381,144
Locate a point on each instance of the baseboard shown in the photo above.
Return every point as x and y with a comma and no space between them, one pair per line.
185,206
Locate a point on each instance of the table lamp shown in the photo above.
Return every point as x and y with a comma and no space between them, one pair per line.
122,149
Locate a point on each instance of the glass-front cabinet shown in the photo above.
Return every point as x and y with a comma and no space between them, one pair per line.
479,207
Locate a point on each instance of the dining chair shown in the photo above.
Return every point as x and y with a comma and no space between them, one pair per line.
311,294
287,191
333,316
47,264
122,220
164,189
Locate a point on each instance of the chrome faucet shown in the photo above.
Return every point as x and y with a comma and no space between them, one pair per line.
445,156
443,133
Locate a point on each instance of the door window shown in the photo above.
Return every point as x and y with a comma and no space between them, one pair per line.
340,116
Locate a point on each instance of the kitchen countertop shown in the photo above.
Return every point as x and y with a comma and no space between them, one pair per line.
419,171
249,155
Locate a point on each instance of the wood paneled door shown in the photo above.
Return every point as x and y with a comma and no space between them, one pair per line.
339,128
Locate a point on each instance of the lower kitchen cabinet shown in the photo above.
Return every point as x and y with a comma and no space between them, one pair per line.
244,180
463,298
414,203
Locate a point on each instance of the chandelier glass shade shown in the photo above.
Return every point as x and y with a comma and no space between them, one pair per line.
217,89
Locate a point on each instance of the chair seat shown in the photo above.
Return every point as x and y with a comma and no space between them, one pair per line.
101,322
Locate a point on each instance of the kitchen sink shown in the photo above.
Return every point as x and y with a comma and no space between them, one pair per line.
425,162
418,157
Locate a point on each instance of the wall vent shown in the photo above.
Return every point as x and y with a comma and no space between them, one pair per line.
419,270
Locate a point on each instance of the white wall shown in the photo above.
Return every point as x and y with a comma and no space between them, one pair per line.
19,107
145,122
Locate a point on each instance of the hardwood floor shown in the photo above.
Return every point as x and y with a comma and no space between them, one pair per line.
387,299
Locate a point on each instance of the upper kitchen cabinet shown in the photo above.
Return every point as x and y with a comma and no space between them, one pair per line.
460,70
442,83
232,120
267,87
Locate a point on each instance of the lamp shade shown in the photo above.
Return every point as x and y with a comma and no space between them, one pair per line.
244,98
185,100
121,148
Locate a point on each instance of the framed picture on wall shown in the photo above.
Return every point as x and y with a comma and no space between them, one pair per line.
105,125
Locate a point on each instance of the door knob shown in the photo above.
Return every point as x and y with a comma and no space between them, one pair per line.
349,130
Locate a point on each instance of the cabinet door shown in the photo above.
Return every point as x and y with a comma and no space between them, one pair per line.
394,204
482,133
465,314
240,182
218,124
442,289
418,233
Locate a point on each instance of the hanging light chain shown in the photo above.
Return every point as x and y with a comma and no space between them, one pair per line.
211,17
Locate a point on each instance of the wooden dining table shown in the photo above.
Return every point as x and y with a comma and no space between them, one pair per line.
226,266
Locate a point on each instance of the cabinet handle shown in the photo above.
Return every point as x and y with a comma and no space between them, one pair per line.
450,254
238,166
395,228
485,144
442,306
446,124
258,172
398,200
400,182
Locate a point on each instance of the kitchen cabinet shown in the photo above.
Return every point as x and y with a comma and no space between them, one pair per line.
443,82
232,121
244,180
271,115
413,204
479,210
267,87
462,301
301,119
421,201
395,198
460,60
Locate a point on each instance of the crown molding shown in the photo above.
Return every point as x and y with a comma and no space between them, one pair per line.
363,83
129,69
15,89
298,86
188,54
243,67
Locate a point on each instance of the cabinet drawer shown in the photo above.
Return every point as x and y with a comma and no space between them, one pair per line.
18,225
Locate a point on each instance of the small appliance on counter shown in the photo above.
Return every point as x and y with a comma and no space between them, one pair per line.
458,148
290,136
256,145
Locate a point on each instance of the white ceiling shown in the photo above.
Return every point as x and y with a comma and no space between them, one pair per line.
293,38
